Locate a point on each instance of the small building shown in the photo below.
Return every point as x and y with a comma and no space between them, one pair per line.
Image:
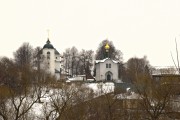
107,69
50,59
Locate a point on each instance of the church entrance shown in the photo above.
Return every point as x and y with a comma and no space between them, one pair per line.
109,76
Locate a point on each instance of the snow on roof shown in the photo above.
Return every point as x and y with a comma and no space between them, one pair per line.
101,61
127,89
160,70
118,81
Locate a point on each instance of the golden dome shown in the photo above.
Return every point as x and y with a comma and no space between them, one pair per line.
107,46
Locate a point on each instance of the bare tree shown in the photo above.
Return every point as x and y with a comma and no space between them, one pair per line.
63,102
67,61
86,58
113,52
74,53
23,56
17,104
76,63
16,95
137,67
9,74
177,56
155,99
37,58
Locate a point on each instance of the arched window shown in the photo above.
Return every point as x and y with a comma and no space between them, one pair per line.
106,65
48,65
109,65
48,55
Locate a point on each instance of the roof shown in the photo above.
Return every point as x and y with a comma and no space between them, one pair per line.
48,45
56,52
102,61
166,75
164,70
57,71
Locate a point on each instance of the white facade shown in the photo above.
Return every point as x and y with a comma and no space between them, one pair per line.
50,60
106,70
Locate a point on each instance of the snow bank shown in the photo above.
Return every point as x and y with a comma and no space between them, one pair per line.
131,95
101,88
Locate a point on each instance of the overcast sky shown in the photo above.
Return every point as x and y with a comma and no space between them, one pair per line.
136,27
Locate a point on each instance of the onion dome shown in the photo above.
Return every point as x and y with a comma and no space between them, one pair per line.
107,47
48,45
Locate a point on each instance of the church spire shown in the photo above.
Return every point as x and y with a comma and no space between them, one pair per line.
48,33
48,41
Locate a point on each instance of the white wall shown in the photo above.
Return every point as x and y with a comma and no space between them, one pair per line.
51,60
101,70
50,64
57,62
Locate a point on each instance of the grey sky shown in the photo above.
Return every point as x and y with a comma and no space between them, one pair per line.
136,27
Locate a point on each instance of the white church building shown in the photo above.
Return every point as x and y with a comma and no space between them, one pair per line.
107,69
50,59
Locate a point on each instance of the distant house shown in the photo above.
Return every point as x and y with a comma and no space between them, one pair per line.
50,59
167,78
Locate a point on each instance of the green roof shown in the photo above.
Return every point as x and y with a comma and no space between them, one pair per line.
56,52
48,45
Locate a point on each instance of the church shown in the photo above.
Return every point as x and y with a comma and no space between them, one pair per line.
50,59
106,69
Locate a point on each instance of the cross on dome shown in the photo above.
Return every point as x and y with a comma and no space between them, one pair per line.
48,42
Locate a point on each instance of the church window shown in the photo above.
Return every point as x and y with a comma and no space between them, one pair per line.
48,55
48,65
106,65
109,65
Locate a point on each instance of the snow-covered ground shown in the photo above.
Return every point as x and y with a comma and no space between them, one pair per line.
38,110
98,88
101,88
131,95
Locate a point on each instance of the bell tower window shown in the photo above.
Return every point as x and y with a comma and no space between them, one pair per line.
109,65
106,65
48,55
